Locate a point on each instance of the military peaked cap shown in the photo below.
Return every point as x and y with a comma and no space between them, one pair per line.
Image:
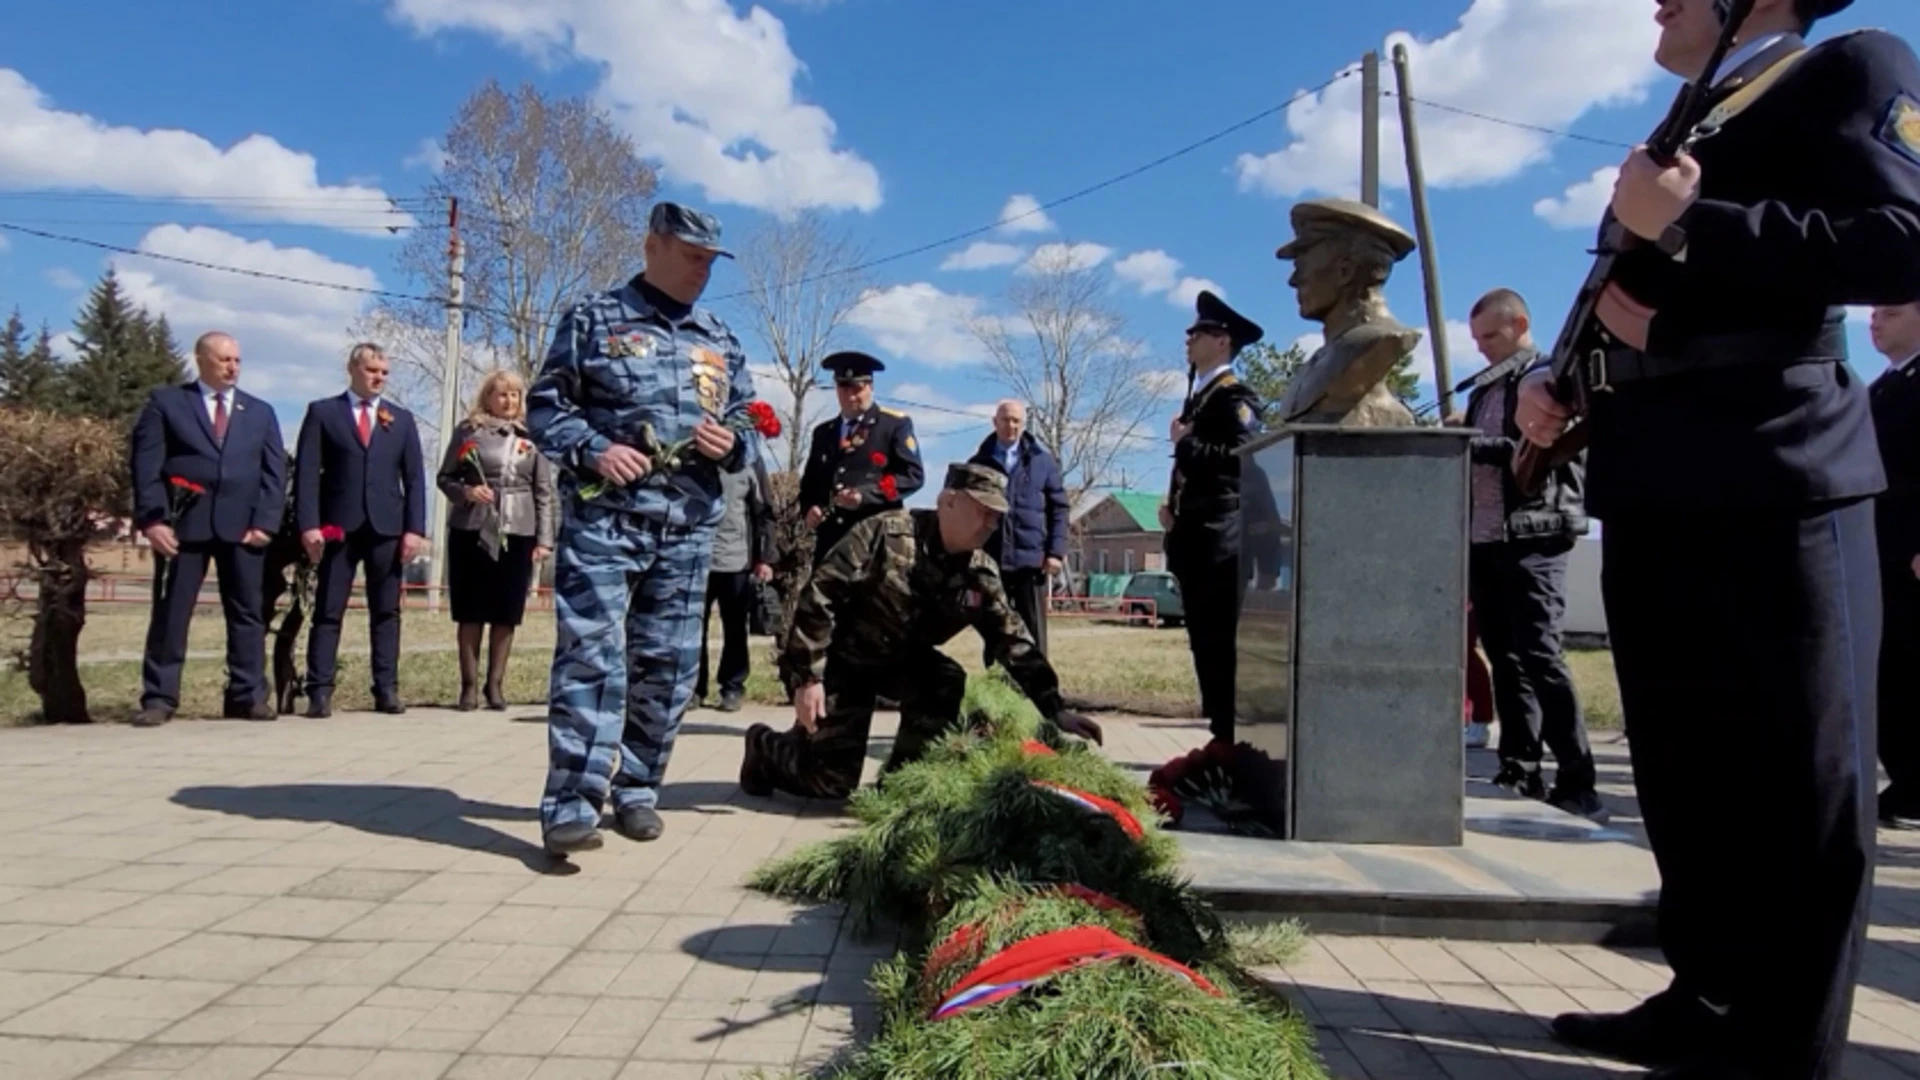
700,230
987,486
1212,313
1319,219
852,365
1824,8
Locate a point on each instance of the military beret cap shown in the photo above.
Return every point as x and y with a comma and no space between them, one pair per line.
850,364
1319,219
1212,313
700,230
987,486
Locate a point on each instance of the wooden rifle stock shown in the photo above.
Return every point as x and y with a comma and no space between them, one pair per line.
1577,369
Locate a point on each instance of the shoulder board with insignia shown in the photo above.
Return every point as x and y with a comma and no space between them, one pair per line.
893,412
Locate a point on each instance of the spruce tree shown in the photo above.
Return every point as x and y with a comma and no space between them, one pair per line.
124,353
29,376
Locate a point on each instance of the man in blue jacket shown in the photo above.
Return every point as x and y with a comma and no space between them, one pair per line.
211,436
1031,543
360,497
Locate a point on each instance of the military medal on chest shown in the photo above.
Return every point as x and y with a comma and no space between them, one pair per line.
710,379
636,344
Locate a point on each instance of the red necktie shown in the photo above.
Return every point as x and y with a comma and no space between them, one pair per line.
219,419
366,423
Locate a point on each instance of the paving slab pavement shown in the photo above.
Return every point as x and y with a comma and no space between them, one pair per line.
365,897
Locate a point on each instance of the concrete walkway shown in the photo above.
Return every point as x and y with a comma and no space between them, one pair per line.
365,897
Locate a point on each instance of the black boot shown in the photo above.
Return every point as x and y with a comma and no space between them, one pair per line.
1667,1028
319,704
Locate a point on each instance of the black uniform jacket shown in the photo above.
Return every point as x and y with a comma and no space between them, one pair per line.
1205,492
1810,199
880,444
1896,419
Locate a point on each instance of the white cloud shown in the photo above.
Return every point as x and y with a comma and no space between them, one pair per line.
293,338
1545,62
1583,204
1080,256
429,156
62,278
983,255
1860,315
1165,383
1022,214
707,92
936,412
1158,272
921,322
43,147
1152,271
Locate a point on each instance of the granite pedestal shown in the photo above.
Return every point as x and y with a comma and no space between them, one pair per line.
1352,637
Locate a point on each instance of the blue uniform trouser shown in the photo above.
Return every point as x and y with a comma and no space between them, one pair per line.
628,596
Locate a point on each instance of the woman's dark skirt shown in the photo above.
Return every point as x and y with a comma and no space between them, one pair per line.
484,590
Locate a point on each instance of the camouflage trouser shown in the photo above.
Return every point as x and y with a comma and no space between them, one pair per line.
628,596
826,764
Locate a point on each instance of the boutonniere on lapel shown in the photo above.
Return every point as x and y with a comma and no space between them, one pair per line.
523,447
384,417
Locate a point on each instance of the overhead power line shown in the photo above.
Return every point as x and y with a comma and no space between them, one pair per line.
1504,122
240,270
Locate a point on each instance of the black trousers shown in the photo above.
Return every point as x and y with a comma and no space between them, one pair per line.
733,591
1899,711
1519,594
240,570
826,763
1026,590
332,582
1747,648
1210,592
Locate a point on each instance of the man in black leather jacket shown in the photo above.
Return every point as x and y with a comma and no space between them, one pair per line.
1517,570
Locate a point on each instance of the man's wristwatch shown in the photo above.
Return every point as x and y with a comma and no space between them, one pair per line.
1673,242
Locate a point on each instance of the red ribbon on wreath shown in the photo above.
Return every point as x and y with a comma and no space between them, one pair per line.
1120,814
1027,963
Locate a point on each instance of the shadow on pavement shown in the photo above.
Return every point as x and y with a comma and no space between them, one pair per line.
430,815
799,949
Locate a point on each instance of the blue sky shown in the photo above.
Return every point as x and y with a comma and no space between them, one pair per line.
908,121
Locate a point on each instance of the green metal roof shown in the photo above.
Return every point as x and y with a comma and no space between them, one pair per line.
1142,506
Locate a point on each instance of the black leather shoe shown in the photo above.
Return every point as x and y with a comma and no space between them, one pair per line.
570,837
730,702
639,823
469,699
1666,1029
244,710
319,705
152,716
496,701
1702,1069
386,703
1898,809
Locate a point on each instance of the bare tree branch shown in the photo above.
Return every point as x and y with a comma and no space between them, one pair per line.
1067,353
802,281
553,205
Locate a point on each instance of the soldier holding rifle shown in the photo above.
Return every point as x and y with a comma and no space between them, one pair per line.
1732,461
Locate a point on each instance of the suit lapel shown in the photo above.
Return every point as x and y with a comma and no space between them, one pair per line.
197,405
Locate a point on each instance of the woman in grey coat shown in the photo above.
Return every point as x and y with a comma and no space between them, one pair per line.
500,521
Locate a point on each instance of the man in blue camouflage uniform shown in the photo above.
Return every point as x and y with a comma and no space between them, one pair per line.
631,372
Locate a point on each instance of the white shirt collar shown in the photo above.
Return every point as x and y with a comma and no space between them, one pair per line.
1206,379
353,400
1743,53
210,393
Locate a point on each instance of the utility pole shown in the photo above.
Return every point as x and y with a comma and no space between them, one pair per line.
449,395
1370,129
1423,229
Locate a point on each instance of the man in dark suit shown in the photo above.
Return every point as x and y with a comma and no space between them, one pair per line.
1733,465
1896,421
210,435
360,498
861,462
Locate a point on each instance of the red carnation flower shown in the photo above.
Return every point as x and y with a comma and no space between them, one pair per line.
877,458
332,534
187,485
764,420
889,487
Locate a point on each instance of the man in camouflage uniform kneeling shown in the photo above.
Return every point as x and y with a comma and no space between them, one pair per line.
870,621
632,372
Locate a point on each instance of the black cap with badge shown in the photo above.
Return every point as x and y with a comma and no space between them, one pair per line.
700,230
1212,313
849,366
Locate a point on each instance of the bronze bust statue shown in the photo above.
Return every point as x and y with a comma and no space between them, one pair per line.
1343,252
